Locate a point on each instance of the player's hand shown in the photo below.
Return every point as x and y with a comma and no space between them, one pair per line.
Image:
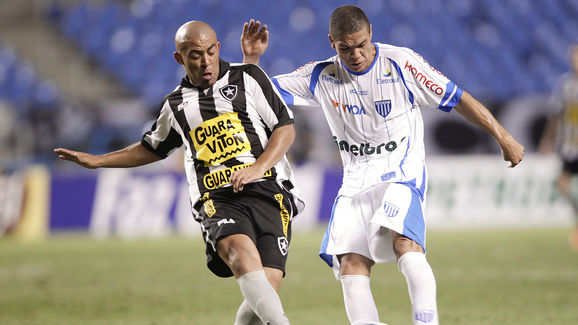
245,176
512,151
83,159
254,41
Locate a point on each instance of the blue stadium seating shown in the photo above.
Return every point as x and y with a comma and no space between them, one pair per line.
20,86
493,48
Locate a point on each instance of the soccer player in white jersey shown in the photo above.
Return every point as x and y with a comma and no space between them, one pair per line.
563,126
236,130
371,95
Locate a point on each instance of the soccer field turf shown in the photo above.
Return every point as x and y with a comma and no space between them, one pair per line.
496,277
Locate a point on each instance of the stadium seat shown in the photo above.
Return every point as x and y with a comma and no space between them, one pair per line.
486,30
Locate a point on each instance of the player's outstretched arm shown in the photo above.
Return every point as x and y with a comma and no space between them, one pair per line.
278,145
132,156
477,113
254,41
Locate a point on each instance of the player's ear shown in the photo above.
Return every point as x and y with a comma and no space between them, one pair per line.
179,58
331,41
370,30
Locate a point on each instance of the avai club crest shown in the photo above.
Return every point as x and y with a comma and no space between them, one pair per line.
383,107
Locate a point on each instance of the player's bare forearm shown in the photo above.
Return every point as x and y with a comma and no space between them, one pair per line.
132,156
254,41
478,114
278,145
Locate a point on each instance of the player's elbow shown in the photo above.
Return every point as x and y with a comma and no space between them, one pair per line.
290,133
286,133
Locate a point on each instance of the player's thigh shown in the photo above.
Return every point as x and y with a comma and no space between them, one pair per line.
224,217
271,214
347,231
398,223
402,244
239,252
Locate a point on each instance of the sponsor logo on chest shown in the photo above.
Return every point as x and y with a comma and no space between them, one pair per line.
219,139
348,108
387,78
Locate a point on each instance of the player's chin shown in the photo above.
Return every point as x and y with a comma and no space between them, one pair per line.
357,67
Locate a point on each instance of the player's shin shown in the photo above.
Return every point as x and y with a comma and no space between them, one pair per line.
246,315
262,298
421,286
359,304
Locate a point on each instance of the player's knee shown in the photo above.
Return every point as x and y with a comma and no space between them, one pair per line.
402,245
240,254
354,264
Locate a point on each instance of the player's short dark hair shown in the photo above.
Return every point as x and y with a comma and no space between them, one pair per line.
347,20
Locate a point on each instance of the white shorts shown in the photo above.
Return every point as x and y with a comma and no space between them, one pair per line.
359,224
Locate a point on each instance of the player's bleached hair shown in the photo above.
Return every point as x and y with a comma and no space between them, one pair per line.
347,19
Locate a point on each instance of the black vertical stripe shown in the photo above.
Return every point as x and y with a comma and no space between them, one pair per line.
240,106
208,111
174,101
274,101
207,104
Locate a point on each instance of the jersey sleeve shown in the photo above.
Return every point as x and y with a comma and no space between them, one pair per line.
267,99
163,138
428,87
298,87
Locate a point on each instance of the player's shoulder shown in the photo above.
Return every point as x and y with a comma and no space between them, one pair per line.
248,68
317,65
395,52
176,93
174,96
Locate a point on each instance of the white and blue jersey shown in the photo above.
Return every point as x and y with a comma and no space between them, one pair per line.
374,115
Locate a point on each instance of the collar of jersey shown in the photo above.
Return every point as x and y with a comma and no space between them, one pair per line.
223,68
366,70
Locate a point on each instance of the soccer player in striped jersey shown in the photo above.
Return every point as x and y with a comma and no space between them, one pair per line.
236,129
371,95
563,126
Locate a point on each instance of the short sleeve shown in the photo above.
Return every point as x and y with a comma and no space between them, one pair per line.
429,87
163,138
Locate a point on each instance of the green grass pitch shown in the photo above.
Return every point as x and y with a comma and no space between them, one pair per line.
494,277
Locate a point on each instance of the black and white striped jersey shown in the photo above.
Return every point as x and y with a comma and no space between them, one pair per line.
224,127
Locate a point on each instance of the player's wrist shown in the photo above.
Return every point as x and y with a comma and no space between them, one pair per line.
253,59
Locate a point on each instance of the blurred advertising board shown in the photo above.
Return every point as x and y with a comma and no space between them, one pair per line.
464,192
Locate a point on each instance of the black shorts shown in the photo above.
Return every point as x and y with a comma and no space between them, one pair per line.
261,211
570,167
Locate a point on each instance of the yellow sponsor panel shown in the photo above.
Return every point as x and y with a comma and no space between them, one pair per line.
209,208
223,176
572,113
34,223
284,213
220,139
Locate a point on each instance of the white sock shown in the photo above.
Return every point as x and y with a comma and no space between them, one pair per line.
262,298
359,304
246,315
421,285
